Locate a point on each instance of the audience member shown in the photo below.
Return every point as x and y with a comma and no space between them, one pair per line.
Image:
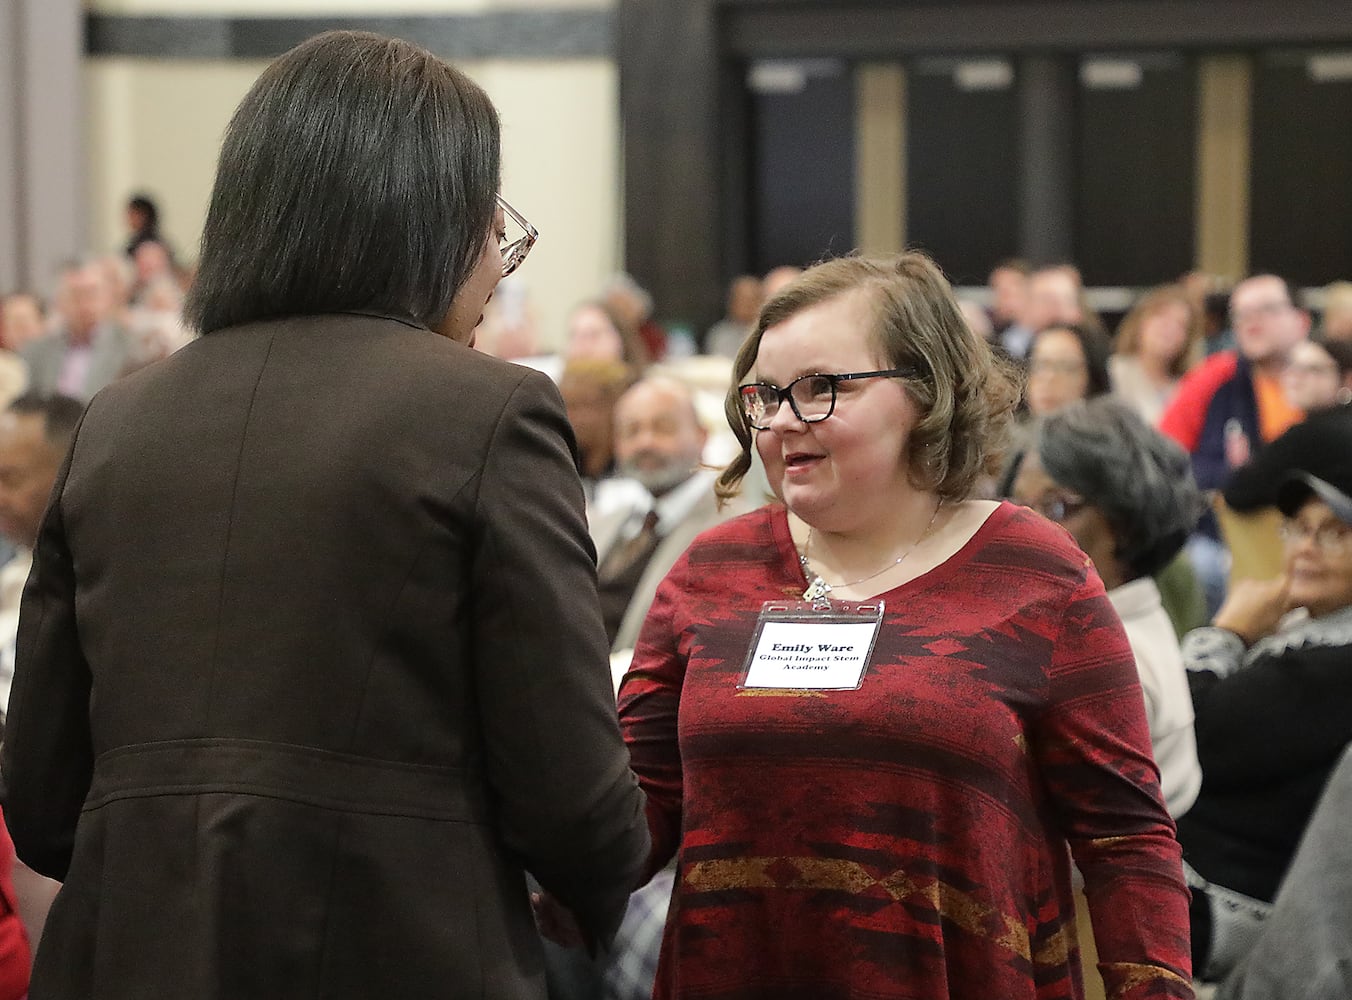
88,349
1318,444
21,320
35,434
152,265
901,823
1008,284
1127,497
1157,342
1272,694
632,306
590,388
1336,322
1314,378
1068,362
659,441
311,669
744,302
143,222
1232,402
777,278
977,319
597,333
16,948
1055,295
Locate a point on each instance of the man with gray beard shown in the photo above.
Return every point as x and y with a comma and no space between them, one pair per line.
658,442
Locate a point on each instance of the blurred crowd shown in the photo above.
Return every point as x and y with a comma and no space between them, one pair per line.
1198,450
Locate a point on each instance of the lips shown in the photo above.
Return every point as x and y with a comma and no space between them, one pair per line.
800,461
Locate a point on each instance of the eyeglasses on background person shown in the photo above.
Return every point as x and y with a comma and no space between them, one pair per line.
1335,538
812,397
516,243
1058,507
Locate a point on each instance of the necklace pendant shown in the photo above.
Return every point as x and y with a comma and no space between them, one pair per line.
816,590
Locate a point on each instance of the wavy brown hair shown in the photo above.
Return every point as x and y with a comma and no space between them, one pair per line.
1129,332
965,394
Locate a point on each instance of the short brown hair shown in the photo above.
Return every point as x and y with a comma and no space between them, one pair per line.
966,394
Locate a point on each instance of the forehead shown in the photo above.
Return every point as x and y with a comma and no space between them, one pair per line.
653,401
835,335
1264,288
20,433
1055,341
1316,511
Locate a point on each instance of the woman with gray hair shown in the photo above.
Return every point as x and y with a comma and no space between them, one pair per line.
1126,494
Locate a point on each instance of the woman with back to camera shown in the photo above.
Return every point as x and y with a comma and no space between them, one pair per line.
892,821
312,635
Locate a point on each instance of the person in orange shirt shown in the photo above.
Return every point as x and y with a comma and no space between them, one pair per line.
1233,401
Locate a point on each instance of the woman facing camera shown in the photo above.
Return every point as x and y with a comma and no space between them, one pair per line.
872,717
1272,690
1126,494
311,663
1159,340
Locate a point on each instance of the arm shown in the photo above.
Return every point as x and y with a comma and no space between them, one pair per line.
567,803
1279,714
48,754
1092,749
650,701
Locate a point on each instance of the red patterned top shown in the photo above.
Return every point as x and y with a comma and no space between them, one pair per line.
907,839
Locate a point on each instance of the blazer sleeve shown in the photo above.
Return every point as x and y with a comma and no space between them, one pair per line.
48,753
567,803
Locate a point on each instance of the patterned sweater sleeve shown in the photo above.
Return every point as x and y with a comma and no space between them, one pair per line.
1093,750
649,705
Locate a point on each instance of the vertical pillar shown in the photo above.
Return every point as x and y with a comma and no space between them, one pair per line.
880,158
1224,102
42,194
1046,162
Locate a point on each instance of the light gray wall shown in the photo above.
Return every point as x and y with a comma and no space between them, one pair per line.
42,163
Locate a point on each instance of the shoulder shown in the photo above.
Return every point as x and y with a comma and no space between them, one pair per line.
1021,535
1214,372
749,538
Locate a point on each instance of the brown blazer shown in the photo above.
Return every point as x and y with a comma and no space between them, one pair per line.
310,667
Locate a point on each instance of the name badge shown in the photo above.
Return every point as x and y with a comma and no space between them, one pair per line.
801,645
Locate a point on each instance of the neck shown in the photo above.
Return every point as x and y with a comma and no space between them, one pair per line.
847,554
1156,369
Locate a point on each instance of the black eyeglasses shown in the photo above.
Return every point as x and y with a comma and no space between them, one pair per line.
514,251
812,397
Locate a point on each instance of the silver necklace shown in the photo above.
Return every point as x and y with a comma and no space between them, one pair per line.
819,588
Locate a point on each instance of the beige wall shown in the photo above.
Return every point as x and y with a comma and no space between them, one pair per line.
156,125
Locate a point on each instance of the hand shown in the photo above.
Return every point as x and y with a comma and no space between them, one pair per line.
1254,607
1238,451
555,922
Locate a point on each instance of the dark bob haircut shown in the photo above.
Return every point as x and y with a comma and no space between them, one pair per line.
1096,348
358,174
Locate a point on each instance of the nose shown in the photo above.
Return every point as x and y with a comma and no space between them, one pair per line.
785,418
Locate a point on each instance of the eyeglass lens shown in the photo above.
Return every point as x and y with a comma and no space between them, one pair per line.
812,397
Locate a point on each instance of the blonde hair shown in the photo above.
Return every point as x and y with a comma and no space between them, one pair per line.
1129,331
965,394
